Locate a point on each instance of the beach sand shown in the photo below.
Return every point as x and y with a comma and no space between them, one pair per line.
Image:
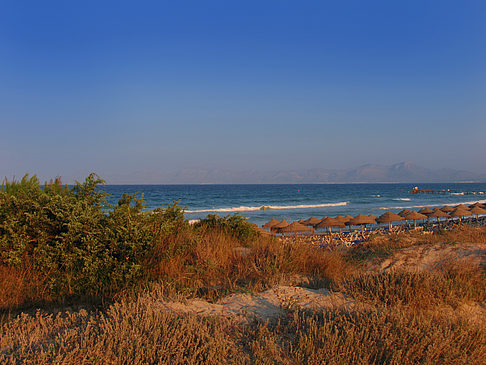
271,303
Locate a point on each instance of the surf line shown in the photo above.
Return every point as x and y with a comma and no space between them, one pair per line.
266,207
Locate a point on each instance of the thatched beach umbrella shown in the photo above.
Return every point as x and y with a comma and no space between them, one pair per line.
477,204
361,220
389,217
425,211
458,212
461,206
447,209
330,222
414,216
312,221
277,227
295,227
263,231
271,223
478,211
439,214
404,212
341,218
347,219
259,229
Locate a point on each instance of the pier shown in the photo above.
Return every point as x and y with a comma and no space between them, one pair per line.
416,190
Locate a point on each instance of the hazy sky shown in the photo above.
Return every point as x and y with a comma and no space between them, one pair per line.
123,88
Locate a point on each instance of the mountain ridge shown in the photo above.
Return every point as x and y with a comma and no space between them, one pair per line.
401,172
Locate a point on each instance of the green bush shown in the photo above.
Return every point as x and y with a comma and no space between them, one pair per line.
74,238
235,225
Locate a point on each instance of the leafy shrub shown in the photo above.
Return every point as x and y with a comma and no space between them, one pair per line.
234,224
81,244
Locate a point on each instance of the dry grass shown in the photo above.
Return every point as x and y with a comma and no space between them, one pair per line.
139,332
382,337
21,285
218,264
209,265
135,332
406,321
450,285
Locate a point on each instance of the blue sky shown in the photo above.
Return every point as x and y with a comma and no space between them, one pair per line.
136,88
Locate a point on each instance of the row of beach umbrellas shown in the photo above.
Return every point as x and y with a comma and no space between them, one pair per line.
460,211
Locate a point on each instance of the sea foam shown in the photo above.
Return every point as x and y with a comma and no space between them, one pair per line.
265,207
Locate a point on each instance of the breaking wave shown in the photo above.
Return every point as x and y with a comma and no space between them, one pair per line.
402,199
265,207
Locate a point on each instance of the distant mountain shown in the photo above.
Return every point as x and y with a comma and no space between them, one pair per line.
406,172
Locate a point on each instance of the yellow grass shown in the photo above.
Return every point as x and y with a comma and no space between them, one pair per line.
409,317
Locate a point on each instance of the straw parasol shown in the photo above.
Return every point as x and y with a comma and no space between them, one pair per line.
271,223
264,232
277,227
347,219
477,211
458,212
462,206
447,209
439,214
312,221
404,212
258,228
342,219
477,204
414,216
389,217
330,222
425,211
295,227
361,220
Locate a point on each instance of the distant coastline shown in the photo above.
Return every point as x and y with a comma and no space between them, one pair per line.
399,173
316,183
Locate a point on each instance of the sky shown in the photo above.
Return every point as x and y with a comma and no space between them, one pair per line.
137,88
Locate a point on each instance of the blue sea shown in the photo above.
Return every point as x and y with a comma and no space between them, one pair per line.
294,201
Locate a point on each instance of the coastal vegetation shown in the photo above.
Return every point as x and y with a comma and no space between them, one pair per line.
82,281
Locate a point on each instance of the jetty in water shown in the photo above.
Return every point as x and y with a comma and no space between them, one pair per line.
416,190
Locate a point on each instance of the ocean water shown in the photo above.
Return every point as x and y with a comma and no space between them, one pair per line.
294,201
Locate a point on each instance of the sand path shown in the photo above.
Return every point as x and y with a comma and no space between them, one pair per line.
268,304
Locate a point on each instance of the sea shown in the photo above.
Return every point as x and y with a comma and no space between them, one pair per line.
260,203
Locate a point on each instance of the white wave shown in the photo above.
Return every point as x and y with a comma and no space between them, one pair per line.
436,205
403,199
377,196
265,207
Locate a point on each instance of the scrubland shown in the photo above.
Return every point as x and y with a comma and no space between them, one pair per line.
82,282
